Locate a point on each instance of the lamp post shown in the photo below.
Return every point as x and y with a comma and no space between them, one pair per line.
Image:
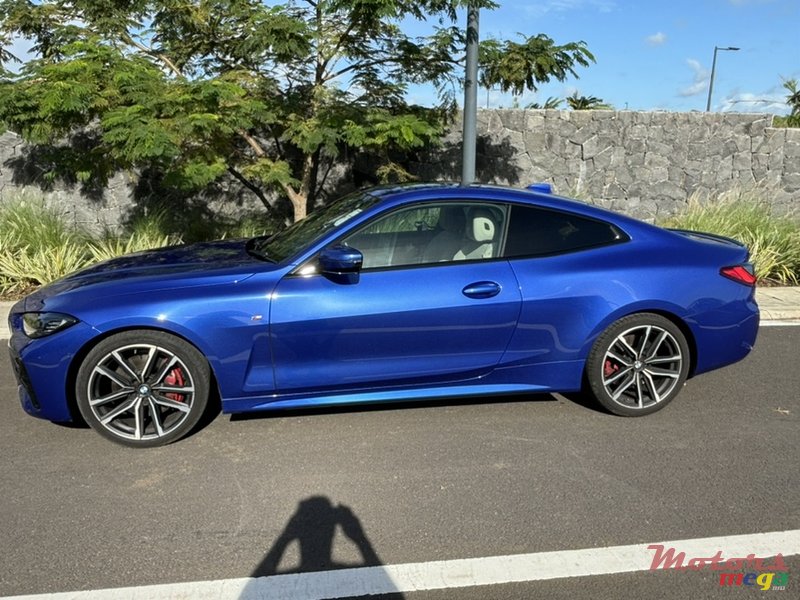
713,71
470,98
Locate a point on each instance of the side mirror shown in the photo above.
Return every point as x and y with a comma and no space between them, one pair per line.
339,262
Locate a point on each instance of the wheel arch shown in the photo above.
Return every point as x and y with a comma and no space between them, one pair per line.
685,330
83,352
670,315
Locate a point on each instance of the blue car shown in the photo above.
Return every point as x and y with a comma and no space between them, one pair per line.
394,293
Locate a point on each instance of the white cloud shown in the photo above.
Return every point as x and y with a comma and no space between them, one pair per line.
539,9
700,81
768,102
657,39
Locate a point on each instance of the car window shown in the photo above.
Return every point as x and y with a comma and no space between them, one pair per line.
536,232
431,233
293,239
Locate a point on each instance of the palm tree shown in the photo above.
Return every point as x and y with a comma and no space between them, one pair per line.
551,102
576,102
793,100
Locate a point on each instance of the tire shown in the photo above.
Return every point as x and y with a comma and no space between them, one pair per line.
638,365
143,388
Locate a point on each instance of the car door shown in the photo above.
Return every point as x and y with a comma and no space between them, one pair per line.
402,320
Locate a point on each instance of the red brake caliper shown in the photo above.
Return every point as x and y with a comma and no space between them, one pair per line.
610,368
175,377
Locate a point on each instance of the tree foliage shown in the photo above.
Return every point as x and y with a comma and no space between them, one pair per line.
793,100
520,66
550,103
266,93
577,102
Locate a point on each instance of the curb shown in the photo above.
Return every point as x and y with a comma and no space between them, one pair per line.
5,308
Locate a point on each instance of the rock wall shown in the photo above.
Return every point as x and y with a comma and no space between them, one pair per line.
19,174
646,164
643,163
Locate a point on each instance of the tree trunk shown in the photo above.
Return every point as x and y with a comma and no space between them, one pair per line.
300,197
299,204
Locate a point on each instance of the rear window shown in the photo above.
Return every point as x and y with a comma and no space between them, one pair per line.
540,232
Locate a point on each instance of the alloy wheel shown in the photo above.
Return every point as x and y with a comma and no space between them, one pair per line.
642,366
141,392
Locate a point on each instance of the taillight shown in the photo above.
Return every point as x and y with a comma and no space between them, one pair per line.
744,273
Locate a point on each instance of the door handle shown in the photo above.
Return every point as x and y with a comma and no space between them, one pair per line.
482,289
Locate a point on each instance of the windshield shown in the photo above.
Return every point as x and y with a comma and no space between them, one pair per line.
294,238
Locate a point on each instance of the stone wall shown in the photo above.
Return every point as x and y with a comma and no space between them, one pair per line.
20,174
643,163
646,164
22,171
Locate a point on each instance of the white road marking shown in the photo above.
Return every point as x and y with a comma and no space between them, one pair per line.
446,574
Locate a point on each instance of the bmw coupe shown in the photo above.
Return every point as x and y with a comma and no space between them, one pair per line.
394,293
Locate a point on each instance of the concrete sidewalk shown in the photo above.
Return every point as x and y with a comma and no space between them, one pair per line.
779,303
776,303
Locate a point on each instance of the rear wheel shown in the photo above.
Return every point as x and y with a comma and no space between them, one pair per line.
143,388
638,365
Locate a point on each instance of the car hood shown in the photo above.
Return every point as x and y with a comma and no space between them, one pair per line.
209,263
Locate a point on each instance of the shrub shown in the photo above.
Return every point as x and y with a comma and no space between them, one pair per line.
144,233
38,245
742,214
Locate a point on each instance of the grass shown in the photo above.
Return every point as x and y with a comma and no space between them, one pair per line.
744,214
144,233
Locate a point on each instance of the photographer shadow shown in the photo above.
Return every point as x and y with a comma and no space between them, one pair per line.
314,527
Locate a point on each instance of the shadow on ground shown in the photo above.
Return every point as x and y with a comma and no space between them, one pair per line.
305,556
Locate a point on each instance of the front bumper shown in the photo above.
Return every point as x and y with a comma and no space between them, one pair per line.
42,368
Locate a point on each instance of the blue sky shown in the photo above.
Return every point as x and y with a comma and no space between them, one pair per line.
657,55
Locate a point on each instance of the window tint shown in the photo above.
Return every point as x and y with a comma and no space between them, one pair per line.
538,232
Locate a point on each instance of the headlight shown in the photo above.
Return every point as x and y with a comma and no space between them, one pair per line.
36,325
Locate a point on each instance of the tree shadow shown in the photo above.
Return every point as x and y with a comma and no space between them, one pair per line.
52,167
207,214
313,528
196,215
494,161
199,216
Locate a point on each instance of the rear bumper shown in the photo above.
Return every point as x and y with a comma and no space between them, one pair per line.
726,334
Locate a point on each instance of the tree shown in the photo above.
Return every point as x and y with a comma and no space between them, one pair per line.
793,100
576,102
520,66
551,102
266,93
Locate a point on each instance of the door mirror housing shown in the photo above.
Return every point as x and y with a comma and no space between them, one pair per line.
341,263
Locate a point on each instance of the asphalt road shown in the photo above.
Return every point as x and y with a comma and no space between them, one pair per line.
421,482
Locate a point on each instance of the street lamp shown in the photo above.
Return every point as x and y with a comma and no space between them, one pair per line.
713,71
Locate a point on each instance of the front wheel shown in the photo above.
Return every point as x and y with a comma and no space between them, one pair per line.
143,388
638,365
